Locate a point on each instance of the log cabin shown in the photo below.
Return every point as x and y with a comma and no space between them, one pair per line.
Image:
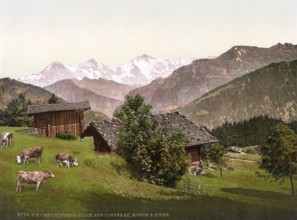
51,119
105,141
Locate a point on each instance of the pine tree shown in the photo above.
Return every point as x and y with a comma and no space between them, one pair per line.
16,113
53,99
246,133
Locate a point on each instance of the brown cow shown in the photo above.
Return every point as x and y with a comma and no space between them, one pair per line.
34,152
67,159
37,177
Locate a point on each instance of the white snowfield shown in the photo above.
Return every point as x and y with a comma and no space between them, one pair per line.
139,71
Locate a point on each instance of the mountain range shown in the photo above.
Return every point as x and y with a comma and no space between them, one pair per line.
108,88
139,71
71,92
271,91
11,89
209,91
190,82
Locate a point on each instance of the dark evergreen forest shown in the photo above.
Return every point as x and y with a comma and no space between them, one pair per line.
249,132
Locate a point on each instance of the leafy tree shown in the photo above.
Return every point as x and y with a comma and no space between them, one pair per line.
53,99
16,113
216,154
279,155
154,155
293,126
135,116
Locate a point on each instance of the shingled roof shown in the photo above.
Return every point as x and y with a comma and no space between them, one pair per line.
195,135
35,109
170,122
108,131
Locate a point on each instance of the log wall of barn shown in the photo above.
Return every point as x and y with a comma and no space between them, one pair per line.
194,152
100,145
51,123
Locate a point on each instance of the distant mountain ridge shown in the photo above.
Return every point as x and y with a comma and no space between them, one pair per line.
104,87
139,71
190,82
71,92
11,89
271,90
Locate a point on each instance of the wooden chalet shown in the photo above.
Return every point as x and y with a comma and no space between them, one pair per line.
105,141
51,119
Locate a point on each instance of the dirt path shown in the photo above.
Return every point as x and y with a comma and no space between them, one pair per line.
250,161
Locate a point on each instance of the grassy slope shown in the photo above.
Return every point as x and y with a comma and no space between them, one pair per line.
101,184
250,157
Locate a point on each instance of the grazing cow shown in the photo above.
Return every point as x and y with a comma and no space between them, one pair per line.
37,177
34,152
67,159
6,139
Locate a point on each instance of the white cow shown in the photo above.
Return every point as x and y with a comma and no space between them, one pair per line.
6,139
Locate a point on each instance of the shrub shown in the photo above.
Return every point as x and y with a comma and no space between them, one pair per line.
66,136
188,186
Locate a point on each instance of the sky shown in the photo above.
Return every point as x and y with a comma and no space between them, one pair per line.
35,33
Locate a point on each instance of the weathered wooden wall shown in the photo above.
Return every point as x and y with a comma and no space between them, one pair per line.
100,144
51,123
194,152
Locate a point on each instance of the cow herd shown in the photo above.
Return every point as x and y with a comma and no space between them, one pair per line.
36,177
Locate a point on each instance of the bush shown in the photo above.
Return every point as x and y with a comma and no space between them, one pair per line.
66,136
187,186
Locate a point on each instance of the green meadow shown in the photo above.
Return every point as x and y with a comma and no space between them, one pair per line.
101,187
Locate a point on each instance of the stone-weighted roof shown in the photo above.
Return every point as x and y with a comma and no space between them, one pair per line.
195,135
169,121
35,109
108,130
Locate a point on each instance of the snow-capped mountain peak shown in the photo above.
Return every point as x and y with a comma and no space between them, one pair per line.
54,65
143,56
139,71
91,63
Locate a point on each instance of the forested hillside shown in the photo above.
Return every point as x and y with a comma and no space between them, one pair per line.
248,132
268,91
